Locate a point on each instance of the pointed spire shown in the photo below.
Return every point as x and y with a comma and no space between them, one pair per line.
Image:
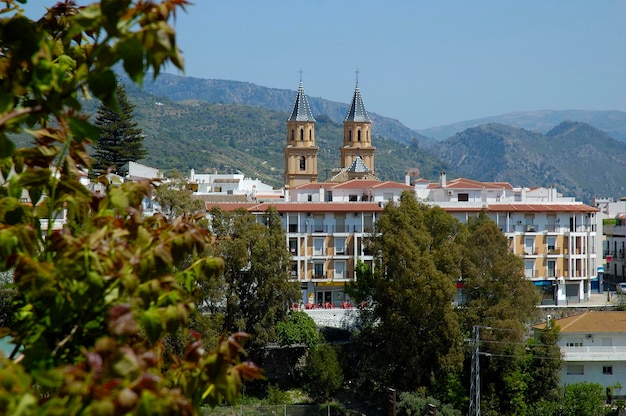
357,110
301,110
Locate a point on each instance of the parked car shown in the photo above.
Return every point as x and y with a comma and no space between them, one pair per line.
620,287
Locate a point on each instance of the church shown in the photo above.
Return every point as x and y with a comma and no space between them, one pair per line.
356,152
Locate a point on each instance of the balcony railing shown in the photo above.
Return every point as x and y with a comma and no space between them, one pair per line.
325,229
616,353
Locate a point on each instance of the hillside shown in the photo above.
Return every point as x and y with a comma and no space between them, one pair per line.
178,88
579,159
232,138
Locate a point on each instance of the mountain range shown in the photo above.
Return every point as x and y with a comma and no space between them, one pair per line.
232,126
582,153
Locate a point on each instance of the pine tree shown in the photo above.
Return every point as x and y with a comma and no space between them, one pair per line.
120,141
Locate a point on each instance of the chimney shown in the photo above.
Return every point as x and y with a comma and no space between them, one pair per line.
407,179
442,178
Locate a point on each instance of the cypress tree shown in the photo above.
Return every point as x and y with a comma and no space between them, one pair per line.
120,141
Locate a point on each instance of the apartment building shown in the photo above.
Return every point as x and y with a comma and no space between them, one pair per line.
558,238
326,224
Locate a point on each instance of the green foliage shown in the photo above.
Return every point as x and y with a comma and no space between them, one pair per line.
95,299
259,293
578,399
120,141
322,372
542,366
415,335
175,198
298,328
276,396
497,294
415,404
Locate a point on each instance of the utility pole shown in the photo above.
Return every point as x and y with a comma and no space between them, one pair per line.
392,402
474,406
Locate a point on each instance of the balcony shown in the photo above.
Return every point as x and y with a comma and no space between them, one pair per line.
617,353
553,251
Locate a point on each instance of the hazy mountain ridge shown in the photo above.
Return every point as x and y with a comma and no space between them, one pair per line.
612,122
579,159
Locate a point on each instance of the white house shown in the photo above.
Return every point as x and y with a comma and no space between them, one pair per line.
593,348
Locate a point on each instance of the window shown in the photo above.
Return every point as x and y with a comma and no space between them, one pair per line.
576,342
607,369
551,243
340,270
293,134
551,268
318,270
309,197
575,369
310,135
529,246
353,198
302,163
318,247
301,134
463,197
358,133
329,196
529,266
350,136
293,246
340,245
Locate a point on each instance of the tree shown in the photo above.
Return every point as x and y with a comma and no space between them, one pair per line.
578,399
175,198
298,328
415,337
259,293
415,404
542,366
497,296
95,300
322,371
120,140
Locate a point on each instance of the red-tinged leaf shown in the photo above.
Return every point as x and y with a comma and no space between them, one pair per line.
163,253
250,371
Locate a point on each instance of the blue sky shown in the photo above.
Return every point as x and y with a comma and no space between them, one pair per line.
425,63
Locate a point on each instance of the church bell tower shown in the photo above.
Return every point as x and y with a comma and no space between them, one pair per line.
300,151
357,141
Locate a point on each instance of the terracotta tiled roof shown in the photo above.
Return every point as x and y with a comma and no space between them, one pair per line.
464,183
302,206
591,321
497,207
356,184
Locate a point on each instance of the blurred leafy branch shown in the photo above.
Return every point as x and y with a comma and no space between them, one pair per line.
96,297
